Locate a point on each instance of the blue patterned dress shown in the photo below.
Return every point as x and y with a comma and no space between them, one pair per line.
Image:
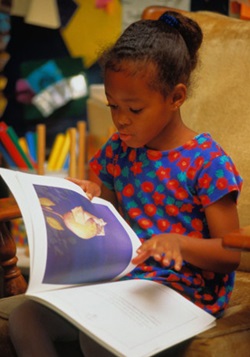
167,191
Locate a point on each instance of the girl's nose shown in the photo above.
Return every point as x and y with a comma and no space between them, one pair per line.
121,118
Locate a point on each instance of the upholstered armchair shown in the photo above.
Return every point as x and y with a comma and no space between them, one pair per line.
219,104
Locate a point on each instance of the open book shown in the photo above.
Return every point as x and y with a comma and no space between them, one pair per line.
79,250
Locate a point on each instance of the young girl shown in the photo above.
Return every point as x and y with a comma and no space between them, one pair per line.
176,188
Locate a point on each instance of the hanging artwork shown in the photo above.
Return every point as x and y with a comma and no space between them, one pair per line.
52,88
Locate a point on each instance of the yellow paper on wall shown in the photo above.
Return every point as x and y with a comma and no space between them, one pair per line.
91,30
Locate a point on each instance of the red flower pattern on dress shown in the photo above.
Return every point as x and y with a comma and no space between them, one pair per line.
173,155
96,167
221,183
214,155
158,198
147,186
132,155
145,223
184,163
190,145
229,166
114,170
163,224
186,207
191,172
199,161
163,173
178,228
206,145
205,200
195,234
136,168
177,286
181,193
150,209
197,224
134,212
109,151
205,181
172,184
172,210
128,190
154,155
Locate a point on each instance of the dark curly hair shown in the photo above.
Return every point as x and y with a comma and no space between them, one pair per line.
170,48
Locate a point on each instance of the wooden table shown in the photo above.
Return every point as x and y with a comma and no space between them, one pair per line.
239,239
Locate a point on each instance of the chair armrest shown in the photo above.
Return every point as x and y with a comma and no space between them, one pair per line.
9,209
14,283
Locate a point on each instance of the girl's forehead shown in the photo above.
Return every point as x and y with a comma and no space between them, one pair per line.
127,87
134,69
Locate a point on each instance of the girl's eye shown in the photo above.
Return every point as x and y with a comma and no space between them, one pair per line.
112,106
135,111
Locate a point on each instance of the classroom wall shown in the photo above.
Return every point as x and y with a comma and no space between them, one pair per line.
33,42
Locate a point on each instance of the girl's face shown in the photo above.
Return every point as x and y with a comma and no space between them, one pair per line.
143,116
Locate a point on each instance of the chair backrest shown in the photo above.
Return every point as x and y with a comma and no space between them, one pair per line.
219,102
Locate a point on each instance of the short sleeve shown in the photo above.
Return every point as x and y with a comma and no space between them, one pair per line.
218,178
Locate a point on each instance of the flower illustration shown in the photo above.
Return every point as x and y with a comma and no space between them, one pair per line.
82,223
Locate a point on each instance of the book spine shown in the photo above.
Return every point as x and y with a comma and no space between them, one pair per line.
55,151
11,147
23,143
15,140
31,142
6,156
66,162
63,153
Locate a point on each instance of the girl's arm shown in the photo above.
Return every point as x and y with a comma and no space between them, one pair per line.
222,218
109,195
207,254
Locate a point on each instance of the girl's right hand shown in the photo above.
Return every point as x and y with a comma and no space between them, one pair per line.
91,188
164,248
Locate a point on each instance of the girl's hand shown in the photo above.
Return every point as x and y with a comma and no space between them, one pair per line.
91,189
164,248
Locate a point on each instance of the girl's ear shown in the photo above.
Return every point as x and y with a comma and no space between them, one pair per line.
179,95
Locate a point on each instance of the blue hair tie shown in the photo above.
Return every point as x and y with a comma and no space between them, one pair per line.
169,20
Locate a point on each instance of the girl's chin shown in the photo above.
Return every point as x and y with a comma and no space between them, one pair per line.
130,141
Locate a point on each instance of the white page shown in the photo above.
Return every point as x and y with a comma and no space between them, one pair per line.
132,318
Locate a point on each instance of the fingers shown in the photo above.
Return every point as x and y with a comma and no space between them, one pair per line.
141,257
90,188
163,249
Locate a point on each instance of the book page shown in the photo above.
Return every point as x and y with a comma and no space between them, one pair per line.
73,240
130,318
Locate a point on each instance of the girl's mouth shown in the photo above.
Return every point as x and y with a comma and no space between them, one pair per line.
125,137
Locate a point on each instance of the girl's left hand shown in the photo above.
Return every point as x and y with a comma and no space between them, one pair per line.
90,188
164,248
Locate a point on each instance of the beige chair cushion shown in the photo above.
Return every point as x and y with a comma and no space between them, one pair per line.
220,98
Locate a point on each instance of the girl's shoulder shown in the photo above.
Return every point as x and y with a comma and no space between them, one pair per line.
206,143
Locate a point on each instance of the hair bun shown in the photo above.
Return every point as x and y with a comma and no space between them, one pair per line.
169,20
